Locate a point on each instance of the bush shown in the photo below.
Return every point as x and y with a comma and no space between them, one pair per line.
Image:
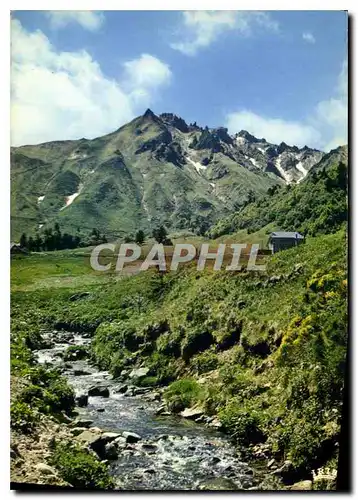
243,425
169,344
80,468
205,362
23,419
161,367
49,392
183,393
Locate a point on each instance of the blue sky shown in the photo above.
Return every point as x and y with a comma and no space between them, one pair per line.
279,74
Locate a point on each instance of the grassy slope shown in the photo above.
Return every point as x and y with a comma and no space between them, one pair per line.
274,358
315,206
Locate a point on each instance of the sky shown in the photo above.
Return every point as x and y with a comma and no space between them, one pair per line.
281,75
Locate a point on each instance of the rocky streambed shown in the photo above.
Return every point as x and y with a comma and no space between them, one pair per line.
146,448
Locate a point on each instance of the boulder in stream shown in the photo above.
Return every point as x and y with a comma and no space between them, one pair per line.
99,390
139,373
82,400
192,413
131,437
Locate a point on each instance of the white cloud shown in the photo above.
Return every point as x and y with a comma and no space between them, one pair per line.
143,75
65,95
88,19
199,29
326,127
272,129
308,37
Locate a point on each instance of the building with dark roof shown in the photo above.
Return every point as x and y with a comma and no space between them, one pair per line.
280,240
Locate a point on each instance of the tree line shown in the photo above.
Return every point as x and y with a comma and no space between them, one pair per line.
54,239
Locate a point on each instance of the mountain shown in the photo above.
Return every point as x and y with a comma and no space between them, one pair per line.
153,170
316,205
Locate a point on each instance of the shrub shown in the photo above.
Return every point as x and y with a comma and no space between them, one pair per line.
242,424
169,344
80,468
183,393
161,367
23,419
205,362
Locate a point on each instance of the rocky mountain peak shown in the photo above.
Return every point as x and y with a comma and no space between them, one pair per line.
174,121
149,114
222,134
248,137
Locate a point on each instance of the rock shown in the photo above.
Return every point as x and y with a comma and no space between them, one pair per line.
302,485
241,304
163,437
192,413
139,373
13,453
100,410
286,472
120,442
121,389
131,437
149,447
200,419
99,390
82,400
111,451
160,410
110,436
218,483
78,373
81,423
176,406
216,424
45,469
76,431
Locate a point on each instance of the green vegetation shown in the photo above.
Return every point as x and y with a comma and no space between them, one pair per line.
265,352
80,468
318,205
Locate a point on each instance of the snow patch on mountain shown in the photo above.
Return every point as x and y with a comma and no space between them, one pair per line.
284,174
70,199
197,165
301,169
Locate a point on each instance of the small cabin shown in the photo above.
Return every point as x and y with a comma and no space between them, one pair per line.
280,240
16,248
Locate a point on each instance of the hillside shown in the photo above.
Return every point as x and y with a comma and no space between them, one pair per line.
316,205
155,169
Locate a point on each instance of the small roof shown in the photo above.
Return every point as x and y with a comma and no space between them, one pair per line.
284,234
